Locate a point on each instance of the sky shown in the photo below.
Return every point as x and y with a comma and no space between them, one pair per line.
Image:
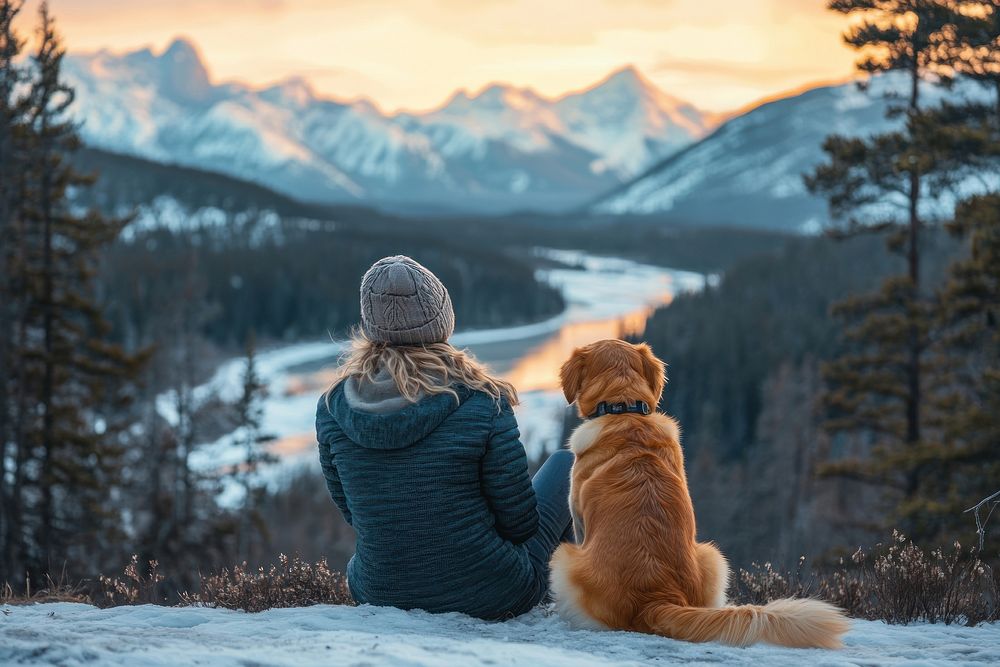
720,55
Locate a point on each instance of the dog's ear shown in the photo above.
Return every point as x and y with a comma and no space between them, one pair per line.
571,374
654,370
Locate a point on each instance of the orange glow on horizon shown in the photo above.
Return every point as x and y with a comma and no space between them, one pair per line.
413,54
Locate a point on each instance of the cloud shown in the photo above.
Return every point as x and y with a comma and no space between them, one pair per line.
108,5
414,53
726,70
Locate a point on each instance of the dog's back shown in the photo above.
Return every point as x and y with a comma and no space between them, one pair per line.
639,566
638,525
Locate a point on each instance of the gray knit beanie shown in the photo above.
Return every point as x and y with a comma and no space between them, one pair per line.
402,303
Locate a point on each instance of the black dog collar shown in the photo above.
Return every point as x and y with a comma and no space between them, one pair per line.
605,408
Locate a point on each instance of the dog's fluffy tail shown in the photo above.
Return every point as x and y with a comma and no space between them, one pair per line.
798,623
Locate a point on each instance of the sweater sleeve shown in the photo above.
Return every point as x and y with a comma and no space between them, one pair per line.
504,474
326,430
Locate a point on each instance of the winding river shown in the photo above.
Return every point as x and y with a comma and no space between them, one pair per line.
606,297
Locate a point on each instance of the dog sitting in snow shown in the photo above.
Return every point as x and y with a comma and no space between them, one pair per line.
637,565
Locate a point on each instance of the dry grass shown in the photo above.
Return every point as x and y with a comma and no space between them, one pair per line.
291,583
896,582
54,591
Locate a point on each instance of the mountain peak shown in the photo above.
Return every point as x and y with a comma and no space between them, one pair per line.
181,48
629,71
627,78
627,88
493,96
183,73
509,95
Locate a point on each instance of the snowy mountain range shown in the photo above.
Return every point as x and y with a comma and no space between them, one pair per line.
749,171
500,149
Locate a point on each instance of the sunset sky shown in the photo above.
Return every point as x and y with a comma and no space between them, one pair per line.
718,54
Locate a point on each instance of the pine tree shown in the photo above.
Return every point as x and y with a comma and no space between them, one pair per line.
876,386
966,335
185,319
76,385
177,519
252,440
13,114
967,455
914,380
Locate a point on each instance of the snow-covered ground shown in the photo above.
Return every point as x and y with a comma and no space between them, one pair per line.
76,634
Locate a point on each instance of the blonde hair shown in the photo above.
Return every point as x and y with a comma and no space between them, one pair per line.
418,370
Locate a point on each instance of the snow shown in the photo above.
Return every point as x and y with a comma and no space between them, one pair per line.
76,634
167,212
624,120
629,122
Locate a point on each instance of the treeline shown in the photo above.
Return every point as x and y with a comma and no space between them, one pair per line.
852,390
655,239
723,344
278,268
299,280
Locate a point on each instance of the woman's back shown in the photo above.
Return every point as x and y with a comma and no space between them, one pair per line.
438,494
421,452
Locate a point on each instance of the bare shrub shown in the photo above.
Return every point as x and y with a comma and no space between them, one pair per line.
907,584
846,589
762,583
896,582
134,588
290,583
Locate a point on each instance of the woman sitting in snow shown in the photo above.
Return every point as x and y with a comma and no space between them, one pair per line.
421,453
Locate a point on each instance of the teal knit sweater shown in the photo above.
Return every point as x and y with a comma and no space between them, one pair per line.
439,496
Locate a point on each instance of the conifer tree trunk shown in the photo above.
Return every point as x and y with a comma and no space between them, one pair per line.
48,375
19,400
11,117
6,160
913,260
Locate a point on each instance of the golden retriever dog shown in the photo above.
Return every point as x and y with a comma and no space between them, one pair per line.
638,565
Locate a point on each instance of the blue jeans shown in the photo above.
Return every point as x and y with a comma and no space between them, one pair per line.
555,524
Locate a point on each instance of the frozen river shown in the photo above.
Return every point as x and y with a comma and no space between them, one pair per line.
605,297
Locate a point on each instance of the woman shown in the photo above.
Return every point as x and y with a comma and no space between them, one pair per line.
422,455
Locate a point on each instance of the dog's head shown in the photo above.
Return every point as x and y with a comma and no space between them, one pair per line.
613,371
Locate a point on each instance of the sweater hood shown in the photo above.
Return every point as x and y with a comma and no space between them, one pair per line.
375,416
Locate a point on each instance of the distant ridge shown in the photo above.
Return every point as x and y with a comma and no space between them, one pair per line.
501,149
749,170
126,182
